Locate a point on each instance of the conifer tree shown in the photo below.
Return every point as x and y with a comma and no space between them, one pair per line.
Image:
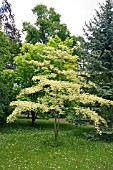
8,21
99,47
9,28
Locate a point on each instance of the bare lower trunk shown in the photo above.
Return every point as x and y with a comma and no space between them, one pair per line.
56,128
33,118
28,114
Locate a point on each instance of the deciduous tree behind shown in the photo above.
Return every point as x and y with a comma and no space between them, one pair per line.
47,25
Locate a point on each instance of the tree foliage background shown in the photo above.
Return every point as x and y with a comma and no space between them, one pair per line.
9,48
47,25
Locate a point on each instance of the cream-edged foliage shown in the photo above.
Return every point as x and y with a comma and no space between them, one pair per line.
22,106
57,88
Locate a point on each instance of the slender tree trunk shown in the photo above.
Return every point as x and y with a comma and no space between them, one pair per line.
33,117
28,114
56,128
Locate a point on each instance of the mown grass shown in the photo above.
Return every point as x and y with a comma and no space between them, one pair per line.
32,148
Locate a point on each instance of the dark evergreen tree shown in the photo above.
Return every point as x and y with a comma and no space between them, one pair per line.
99,53
7,20
9,28
99,57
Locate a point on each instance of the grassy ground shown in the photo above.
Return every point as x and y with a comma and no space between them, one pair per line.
32,148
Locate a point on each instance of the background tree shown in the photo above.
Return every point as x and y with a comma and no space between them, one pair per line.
99,34
57,89
7,89
9,48
78,47
5,54
99,53
7,93
47,25
9,28
7,20
4,57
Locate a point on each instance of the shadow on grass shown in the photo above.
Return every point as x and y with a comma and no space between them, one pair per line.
42,124
39,124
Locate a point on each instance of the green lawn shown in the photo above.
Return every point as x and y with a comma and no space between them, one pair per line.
32,148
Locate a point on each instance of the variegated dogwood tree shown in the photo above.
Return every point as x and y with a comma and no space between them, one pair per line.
57,87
